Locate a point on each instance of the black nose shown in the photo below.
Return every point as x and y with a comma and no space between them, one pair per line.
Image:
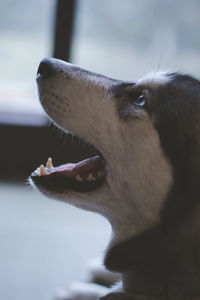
46,67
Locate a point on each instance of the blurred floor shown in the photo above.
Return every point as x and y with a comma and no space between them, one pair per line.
44,244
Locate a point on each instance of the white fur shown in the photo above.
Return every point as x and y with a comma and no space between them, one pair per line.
98,273
92,291
86,291
139,175
154,79
82,291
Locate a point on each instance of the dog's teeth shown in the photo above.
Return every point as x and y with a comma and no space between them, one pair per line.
37,172
49,164
43,171
91,177
78,177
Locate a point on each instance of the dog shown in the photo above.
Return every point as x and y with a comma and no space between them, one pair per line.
144,178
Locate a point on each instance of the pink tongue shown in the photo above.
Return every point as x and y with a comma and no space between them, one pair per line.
85,166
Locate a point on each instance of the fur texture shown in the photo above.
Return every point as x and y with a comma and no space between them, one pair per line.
151,194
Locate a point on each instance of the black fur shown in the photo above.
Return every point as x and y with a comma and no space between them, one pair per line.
169,254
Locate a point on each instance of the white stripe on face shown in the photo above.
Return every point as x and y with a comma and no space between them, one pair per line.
154,79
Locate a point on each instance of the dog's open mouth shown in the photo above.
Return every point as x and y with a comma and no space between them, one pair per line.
83,176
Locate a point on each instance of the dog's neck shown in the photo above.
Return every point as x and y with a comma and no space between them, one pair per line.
163,262
177,287
125,225
179,281
122,230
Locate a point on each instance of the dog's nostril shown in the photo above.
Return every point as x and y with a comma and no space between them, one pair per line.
46,67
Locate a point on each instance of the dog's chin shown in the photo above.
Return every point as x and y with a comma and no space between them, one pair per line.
85,176
83,200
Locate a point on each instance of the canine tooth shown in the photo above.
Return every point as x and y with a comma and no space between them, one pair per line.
78,177
43,171
49,164
90,177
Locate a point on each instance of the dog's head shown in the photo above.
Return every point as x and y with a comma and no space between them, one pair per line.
145,133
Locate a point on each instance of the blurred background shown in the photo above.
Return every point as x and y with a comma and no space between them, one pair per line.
44,244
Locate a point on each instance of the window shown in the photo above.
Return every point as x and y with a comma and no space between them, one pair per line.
29,30
121,38
126,39
26,29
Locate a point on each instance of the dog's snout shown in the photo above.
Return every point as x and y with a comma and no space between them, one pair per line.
46,67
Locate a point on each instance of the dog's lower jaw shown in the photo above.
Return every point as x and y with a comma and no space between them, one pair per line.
123,225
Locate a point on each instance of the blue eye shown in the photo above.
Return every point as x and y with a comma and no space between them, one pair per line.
140,101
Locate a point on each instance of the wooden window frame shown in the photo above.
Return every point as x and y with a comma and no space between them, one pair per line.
27,139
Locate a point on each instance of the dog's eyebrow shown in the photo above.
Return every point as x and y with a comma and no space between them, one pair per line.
118,89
